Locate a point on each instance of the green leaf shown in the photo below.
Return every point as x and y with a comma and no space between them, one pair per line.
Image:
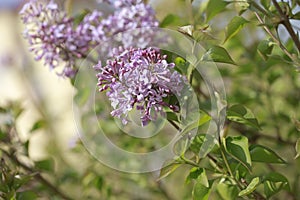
274,182
26,195
3,187
240,170
227,192
204,118
202,144
11,195
234,26
266,4
296,16
45,165
202,188
217,54
240,114
38,125
79,17
297,124
203,33
265,48
297,148
195,172
273,76
172,116
171,20
200,192
21,180
260,153
99,182
168,169
251,187
214,7
181,65
241,6
181,146
237,148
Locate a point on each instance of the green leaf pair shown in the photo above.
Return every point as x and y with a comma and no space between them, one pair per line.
240,114
237,148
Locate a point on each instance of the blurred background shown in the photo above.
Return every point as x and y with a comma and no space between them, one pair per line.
47,122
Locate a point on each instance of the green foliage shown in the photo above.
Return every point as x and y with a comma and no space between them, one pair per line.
202,187
204,118
38,125
171,20
237,147
202,144
261,153
236,160
251,187
227,191
265,48
234,26
45,165
217,54
240,114
274,182
168,168
297,147
214,7
26,195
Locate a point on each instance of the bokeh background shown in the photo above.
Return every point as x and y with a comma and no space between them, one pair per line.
46,96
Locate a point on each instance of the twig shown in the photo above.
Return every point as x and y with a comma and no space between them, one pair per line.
262,10
284,49
174,124
37,176
286,22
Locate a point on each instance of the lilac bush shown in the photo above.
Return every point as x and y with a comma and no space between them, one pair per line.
141,78
230,152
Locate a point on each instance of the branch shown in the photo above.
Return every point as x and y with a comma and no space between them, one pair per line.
287,24
37,176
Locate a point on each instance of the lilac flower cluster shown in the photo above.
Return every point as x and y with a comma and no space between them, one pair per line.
54,38
130,25
141,78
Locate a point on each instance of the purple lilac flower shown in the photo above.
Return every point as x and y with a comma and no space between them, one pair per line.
52,36
130,25
121,3
140,78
